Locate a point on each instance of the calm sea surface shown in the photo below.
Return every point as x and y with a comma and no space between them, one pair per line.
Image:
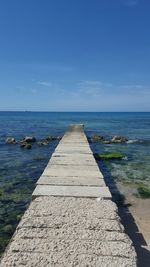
20,169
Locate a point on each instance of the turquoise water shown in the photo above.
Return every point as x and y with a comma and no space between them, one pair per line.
20,169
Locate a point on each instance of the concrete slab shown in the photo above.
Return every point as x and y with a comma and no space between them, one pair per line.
76,156
73,156
75,142
71,147
74,191
77,246
75,136
75,151
71,233
71,173
77,207
74,146
88,168
72,161
83,181
42,259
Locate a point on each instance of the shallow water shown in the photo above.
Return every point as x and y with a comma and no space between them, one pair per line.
20,169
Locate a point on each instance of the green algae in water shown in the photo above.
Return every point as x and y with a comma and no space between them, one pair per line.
109,156
143,191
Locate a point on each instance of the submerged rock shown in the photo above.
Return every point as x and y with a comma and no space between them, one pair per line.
106,142
53,138
50,138
29,139
43,142
119,139
10,140
58,138
97,138
25,145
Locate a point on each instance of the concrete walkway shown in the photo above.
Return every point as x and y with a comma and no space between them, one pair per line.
72,220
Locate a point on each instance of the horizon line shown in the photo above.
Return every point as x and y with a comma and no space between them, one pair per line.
26,111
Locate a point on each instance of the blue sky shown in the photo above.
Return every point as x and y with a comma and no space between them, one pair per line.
75,55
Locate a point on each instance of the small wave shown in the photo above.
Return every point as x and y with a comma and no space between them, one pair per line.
125,158
138,141
132,141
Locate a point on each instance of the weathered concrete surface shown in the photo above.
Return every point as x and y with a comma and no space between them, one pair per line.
77,226
75,191
64,172
70,181
71,161
60,231
71,168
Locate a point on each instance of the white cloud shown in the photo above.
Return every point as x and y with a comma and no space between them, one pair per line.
44,83
92,95
94,83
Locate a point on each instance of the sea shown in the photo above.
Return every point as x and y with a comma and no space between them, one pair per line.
21,168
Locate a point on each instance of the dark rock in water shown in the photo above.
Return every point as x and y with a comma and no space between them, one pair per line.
10,140
97,138
107,142
25,145
50,138
119,139
53,138
44,142
28,146
29,139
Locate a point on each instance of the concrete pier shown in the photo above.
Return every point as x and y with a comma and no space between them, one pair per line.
71,220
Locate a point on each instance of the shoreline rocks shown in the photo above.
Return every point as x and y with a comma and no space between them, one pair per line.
106,142
25,145
43,142
115,139
97,138
119,139
52,138
29,139
10,140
